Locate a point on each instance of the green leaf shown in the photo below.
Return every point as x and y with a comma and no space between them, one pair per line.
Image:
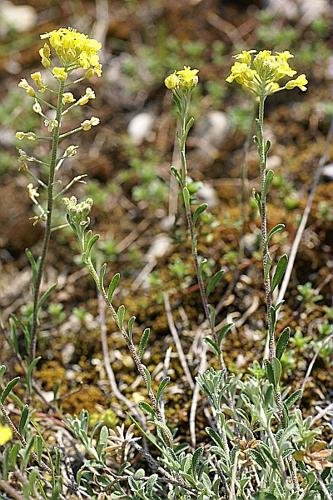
213,281
121,315
268,181
215,437
130,325
2,370
195,460
277,369
187,199
223,332
39,448
282,342
146,408
148,378
112,286
189,126
212,345
256,455
279,271
102,275
143,342
269,372
267,267
23,419
45,296
33,264
198,211
91,243
274,230
30,369
9,387
161,387
291,400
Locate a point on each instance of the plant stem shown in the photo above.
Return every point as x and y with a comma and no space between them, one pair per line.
48,227
264,246
262,150
129,343
190,225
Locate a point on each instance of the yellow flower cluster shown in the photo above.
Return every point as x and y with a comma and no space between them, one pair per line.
261,73
185,79
75,50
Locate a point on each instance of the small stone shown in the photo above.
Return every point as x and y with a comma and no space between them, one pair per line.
327,173
208,194
306,11
140,127
159,247
273,162
212,130
18,17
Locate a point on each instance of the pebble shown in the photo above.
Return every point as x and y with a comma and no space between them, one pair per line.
306,11
327,173
208,194
18,17
140,126
212,130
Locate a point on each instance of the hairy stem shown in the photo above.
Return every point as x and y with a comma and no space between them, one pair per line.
191,228
129,343
48,227
262,145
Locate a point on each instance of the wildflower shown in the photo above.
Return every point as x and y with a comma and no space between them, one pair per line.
74,49
25,85
50,124
23,159
37,78
60,73
87,124
6,434
185,79
78,213
301,82
172,81
90,94
37,108
71,151
45,54
33,193
30,136
67,98
261,73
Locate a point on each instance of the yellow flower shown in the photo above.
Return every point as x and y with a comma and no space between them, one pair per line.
172,81
74,49
185,79
30,136
60,73
45,54
188,78
87,124
261,74
6,434
67,98
37,78
25,85
90,94
301,82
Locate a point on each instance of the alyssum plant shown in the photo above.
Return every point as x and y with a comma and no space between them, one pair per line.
67,57
258,444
